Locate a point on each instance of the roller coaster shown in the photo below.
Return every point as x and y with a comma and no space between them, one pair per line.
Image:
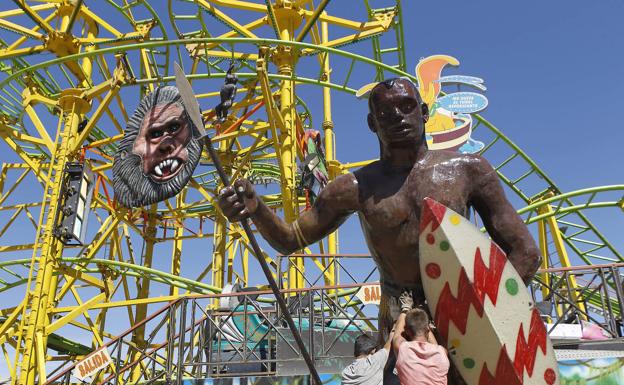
142,281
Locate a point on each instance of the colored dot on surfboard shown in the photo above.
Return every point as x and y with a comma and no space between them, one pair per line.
550,376
512,286
455,343
469,363
433,270
430,239
444,245
455,219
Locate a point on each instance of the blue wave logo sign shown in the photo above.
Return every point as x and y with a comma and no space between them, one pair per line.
472,81
463,102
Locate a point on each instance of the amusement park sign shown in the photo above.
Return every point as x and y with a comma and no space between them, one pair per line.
369,294
92,363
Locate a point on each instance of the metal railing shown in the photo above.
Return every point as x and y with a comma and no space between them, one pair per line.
598,297
191,338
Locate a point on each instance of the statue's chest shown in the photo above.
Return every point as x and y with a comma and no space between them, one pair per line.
397,207
389,212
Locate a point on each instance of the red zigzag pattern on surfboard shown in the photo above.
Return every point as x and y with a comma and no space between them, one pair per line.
512,373
486,282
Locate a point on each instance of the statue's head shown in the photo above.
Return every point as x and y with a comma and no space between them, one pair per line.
397,113
159,151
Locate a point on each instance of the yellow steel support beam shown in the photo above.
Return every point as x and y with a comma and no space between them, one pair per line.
18,12
5,24
555,233
50,247
11,53
34,164
286,58
76,311
41,360
81,276
15,184
138,335
330,151
14,47
176,256
114,88
545,277
34,118
219,251
20,136
311,19
227,19
97,339
31,12
10,320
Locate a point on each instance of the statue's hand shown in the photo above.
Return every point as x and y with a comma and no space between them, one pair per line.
406,301
231,205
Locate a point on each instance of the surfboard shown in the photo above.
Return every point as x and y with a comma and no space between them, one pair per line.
479,304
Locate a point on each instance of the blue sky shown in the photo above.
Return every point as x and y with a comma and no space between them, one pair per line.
554,81
554,75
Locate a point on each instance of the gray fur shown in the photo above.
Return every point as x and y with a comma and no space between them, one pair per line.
132,187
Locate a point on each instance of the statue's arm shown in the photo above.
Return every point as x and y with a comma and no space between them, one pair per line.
501,221
334,204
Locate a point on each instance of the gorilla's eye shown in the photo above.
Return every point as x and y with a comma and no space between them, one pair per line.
173,127
155,134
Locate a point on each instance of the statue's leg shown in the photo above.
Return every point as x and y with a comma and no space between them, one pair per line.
389,310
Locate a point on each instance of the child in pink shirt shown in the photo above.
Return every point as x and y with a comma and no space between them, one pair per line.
420,360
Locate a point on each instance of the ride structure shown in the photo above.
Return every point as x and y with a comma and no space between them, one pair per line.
70,71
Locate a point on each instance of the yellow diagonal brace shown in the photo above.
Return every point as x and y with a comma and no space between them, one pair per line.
555,233
10,320
74,313
24,39
201,48
18,12
95,117
40,127
312,20
11,53
97,339
35,166
242,5
105,141
5,24
38,98
82,276
87,13
219,14
19,180
197,50
350,38
20,136
30,12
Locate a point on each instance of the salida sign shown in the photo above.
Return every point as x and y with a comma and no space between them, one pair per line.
92,363
369,294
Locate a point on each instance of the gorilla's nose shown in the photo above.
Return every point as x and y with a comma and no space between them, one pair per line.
167,145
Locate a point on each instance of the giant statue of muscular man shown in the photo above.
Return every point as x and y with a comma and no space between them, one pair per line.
388,196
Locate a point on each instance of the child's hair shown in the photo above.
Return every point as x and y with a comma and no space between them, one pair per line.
416,322
364,344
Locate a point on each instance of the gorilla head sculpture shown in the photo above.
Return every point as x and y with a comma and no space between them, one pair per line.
159,151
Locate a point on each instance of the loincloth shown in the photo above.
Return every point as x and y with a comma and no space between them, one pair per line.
390,306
